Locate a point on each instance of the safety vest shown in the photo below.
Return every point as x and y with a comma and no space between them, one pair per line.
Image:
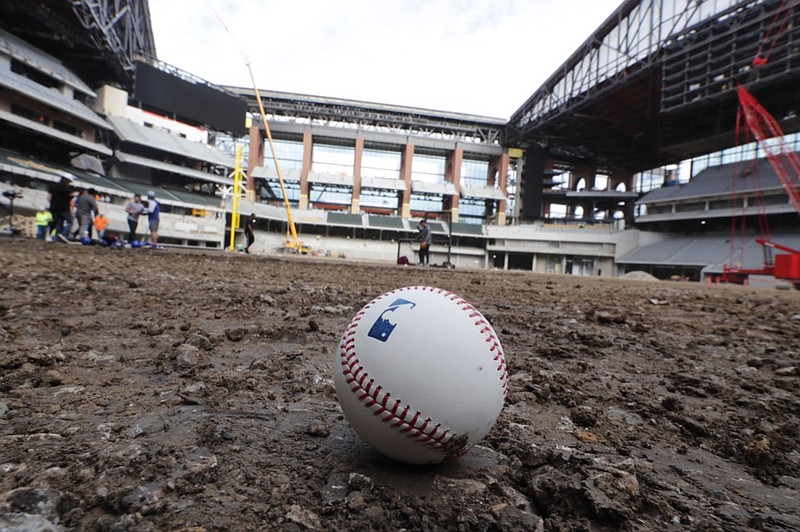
43,218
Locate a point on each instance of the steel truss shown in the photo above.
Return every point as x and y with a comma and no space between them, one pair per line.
315,110
121,27
627,42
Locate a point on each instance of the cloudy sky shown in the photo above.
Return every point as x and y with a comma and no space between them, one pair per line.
482,57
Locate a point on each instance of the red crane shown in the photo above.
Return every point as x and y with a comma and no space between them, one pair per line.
784,161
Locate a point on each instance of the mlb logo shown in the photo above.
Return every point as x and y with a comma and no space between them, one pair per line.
382,328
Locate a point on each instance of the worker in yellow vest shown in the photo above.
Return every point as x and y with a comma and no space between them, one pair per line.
44,219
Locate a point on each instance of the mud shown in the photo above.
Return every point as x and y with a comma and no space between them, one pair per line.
177,390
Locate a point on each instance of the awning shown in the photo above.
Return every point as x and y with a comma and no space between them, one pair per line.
482,192
173,168
54,133
18,164
290,174
28,54
170,196
342,180
51,98
134,133
383,183
445,189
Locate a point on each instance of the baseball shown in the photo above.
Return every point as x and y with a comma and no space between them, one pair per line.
420,375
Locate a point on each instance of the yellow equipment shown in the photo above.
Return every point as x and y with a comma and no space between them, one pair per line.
237,186
293,243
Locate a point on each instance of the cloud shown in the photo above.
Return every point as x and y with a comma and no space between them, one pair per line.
471,56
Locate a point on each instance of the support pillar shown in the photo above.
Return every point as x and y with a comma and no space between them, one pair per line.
452,174
406,162
359,155
255,159
498,174
308,151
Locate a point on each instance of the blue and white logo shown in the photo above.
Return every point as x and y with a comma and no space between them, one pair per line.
382,328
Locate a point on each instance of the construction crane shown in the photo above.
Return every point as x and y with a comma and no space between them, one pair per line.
293,243
784,161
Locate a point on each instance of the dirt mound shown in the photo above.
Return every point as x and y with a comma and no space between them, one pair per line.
638,275
163,390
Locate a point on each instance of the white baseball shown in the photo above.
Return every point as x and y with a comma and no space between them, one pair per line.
420,375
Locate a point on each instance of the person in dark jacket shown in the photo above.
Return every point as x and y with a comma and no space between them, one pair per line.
249,232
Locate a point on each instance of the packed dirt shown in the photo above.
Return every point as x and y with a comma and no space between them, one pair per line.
186,390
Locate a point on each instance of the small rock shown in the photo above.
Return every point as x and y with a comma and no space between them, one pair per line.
789,371
187,356
305,518
200,341
355,500
318,430
359,482
3,410
583,416
154,329
53,377
587,437
313,326
234,335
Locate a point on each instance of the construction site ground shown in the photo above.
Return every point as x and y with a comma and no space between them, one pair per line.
155,390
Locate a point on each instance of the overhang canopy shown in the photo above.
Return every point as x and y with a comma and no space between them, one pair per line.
173,168
54,133
482,192
444,189
134,133
383,183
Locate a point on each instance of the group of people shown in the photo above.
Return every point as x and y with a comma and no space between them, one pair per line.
68,205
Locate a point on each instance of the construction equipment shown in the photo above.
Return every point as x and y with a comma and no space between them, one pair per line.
764,129
786,164
293,243
237,186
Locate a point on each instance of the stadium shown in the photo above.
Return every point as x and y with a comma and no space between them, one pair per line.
185,385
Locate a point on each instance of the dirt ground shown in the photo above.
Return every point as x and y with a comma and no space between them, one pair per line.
173,390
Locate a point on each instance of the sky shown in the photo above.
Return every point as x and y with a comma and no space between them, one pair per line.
480,57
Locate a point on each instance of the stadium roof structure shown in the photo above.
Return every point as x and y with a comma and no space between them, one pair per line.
287,106
656,84
97,39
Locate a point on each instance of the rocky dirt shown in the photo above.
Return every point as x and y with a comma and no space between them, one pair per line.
173,390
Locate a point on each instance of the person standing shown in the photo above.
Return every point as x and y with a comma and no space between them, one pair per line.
86,209
44,220
134,208
60,197
425,240
249,232
153,216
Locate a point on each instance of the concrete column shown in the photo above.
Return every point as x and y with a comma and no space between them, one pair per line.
308,151
586,172
256,158
498,172
406,161
359,155
452,174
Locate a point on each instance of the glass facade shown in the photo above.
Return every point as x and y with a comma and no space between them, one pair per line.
290,160
473,174
427,169
381,164
336,160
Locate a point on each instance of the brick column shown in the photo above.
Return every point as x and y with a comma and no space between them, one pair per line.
498,173
406,161
256,158
308,150
359,155
452,174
